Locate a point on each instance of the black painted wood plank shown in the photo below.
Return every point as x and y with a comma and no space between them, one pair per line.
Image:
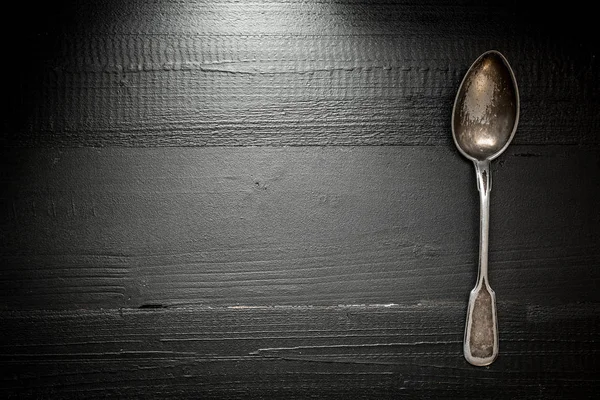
160,266
360,351
205,73
117,227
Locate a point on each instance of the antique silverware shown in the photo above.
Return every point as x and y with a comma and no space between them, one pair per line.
484,121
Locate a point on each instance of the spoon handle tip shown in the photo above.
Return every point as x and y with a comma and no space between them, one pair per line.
481,333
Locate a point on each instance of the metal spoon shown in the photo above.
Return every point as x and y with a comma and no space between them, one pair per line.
484,121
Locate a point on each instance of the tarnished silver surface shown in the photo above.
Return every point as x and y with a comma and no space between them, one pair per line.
486,109
484,122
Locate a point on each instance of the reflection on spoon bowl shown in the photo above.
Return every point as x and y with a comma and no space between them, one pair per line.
486,110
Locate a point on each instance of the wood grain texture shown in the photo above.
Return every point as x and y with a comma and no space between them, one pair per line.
273,226
361,352
206,73
261,199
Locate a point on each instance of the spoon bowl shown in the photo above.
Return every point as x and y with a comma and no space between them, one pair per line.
484,121
486,109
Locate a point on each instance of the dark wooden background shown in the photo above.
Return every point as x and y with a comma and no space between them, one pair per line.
262,199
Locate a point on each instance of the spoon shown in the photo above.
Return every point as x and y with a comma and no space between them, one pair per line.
484,121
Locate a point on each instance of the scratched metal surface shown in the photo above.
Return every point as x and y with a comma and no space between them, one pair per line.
262,200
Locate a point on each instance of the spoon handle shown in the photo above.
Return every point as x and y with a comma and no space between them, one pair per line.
481,330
